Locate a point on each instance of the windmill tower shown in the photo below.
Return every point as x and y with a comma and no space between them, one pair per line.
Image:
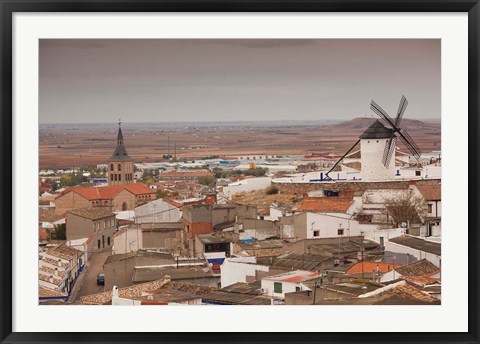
372,147
377,145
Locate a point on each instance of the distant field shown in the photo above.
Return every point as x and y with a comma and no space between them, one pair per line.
65,145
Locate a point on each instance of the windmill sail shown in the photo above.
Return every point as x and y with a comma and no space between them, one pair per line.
395,127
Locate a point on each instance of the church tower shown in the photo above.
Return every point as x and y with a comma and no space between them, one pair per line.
120,165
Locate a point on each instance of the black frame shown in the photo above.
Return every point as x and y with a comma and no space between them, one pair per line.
8,7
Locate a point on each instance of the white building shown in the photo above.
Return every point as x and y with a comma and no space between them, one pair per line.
278,285
157,211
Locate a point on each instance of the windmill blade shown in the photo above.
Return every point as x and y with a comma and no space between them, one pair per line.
379,111
388,152
411,145
412,142
401,110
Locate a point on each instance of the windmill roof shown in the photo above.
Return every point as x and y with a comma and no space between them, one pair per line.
376,131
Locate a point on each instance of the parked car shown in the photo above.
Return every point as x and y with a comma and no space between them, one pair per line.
101,278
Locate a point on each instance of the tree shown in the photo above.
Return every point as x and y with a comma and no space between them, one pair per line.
59,232
206,180
406,207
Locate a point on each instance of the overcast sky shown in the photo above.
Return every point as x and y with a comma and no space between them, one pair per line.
232,80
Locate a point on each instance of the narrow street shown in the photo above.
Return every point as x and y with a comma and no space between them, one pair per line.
94,267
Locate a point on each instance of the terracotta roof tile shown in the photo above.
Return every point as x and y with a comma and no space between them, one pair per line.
422,267
48,215
431,192
371,266
108,192
92,213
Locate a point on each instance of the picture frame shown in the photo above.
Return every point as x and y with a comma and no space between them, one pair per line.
9,8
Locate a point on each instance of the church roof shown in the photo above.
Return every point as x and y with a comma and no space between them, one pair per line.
376,131
120,153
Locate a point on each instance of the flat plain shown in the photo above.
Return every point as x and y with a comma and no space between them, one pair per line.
70,145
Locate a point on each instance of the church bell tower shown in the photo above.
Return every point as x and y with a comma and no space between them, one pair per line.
120,164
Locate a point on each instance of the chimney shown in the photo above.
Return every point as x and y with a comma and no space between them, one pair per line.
115,291
59,263
56,271
50,279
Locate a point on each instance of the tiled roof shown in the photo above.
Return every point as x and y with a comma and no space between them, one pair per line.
134,291
228,298
418,244
44,292
65,252
371,266
108,192
422,267
326,205
92,213
42,234
411,292
48,215
293,276
310,262
431,192
149,273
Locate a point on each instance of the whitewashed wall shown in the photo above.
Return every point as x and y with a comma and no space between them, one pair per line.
393,247
234,270
328,225
127,240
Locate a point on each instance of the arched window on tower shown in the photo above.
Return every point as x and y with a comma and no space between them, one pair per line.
119,167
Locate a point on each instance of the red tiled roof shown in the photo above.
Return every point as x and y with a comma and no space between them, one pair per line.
431,192
42,234
326,204
108,192
371,266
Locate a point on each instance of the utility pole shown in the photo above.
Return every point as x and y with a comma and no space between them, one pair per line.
314,292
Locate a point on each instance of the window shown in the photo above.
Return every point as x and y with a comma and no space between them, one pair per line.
298,289
119,167
124,206
418,173
430,208
115,176
111,167
108,241
340,231
120,177
316,233
111,177
277,287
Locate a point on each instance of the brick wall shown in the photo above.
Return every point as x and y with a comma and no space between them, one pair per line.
70,201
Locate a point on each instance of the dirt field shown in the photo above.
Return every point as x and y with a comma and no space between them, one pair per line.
63,146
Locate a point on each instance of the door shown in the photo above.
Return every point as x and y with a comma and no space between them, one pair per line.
98,243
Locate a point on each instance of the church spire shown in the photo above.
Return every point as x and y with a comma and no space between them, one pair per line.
119,135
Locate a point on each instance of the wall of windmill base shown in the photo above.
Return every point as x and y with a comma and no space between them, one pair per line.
372,166
303,188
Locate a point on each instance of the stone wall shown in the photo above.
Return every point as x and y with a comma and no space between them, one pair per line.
302,188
